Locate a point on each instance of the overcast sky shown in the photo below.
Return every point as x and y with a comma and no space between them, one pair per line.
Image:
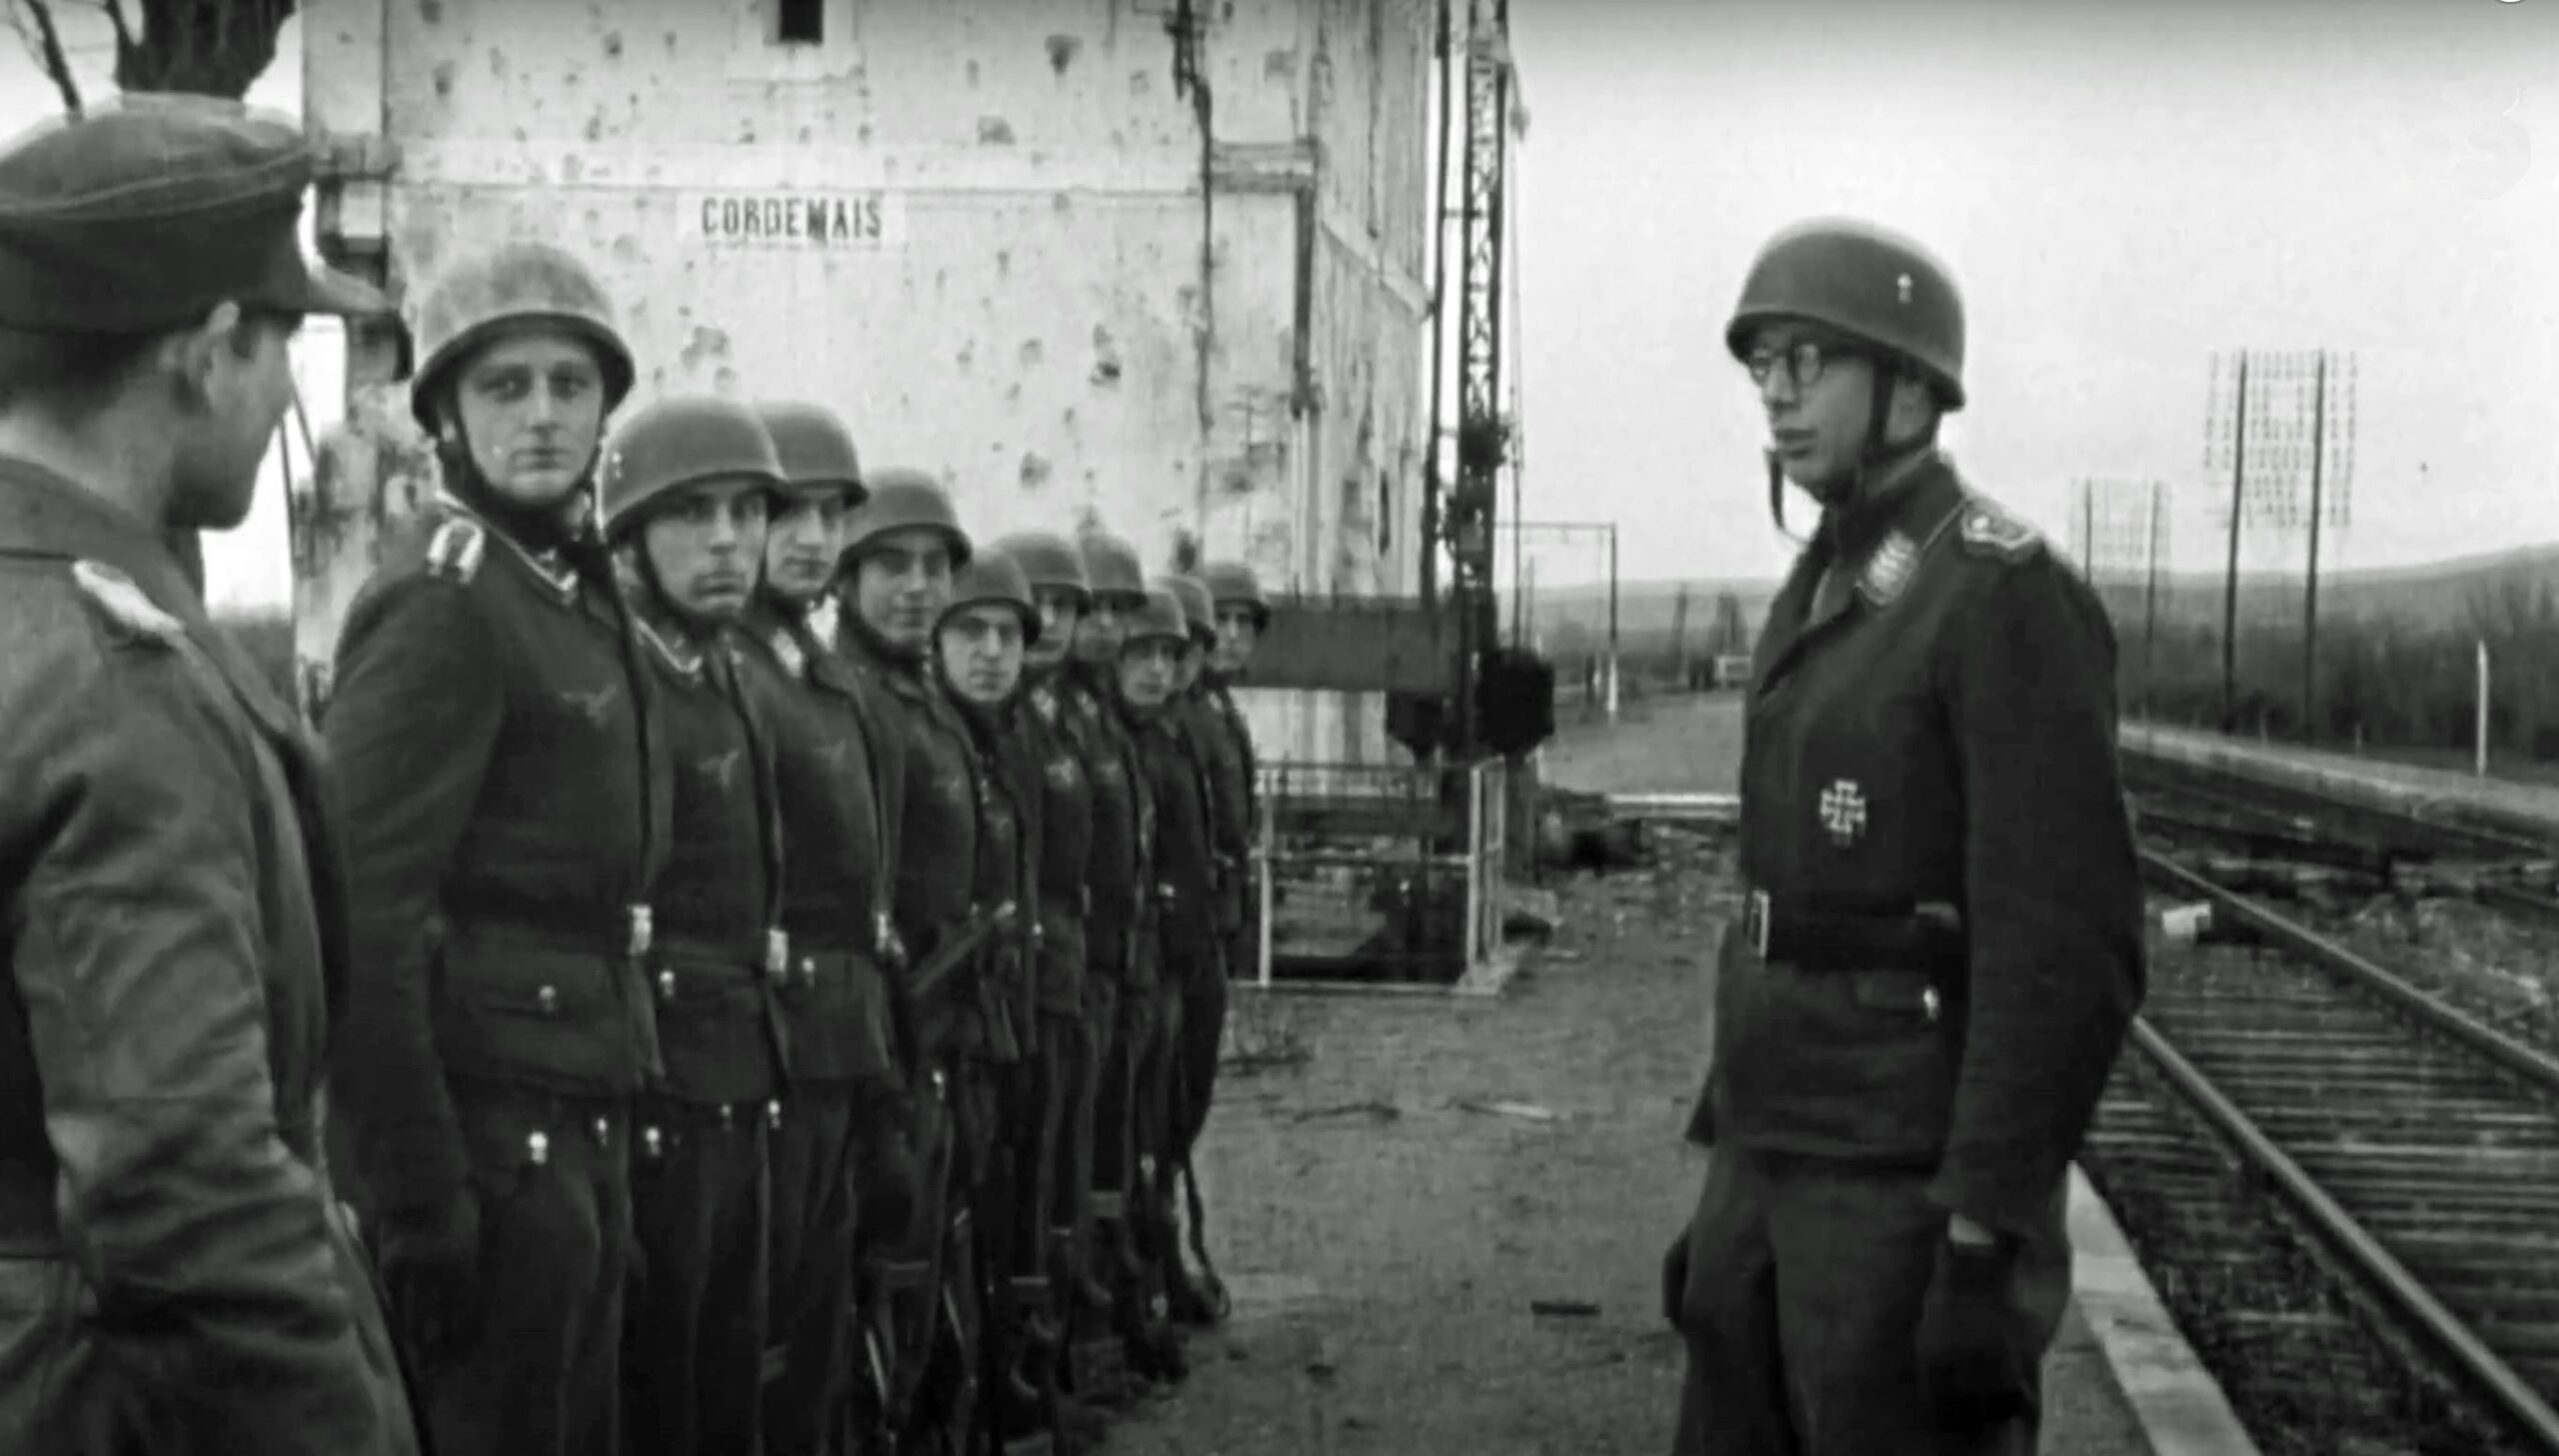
2122,188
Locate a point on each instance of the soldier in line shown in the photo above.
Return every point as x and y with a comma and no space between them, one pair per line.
685,492
1082,819
1224,745
833,775
978,650
1156,671
900,549
1120,887
1941,942
176,946
506,789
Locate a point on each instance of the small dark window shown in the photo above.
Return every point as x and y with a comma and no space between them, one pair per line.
799,22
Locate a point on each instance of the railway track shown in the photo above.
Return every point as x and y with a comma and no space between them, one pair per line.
2405,1149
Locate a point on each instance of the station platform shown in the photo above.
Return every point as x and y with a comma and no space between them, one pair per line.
2442,795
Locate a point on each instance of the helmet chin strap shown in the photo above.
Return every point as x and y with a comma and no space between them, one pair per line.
1848,489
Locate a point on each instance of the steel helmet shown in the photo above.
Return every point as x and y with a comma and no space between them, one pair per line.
1047,559
677,443
1197,609
1160,617
1111,565
814,448
1866,282
512,286
994,577
1234,582
902,499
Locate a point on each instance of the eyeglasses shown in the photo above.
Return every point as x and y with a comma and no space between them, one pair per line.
1804,360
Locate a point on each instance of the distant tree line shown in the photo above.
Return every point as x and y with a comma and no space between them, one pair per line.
2381,682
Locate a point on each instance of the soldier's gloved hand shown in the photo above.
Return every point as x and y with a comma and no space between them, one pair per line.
431,1273
1674,1279
1970,1363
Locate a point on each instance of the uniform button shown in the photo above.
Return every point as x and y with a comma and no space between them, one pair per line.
538,1144
772,1114
549,998
666,986
654,1141
604,1132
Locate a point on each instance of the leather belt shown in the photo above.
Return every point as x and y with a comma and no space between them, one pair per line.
616,930
1787,930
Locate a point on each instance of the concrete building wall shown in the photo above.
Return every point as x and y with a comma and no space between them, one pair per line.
988,231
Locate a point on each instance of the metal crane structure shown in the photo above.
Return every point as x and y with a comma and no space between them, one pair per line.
1459,514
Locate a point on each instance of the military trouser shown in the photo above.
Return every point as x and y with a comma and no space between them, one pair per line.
553,1177
1095,1357
1068,1211
693,1368
1805,1282
889,1177
815,1202
1013,1107
940,1324
1197,1297
902,1243
1151,1020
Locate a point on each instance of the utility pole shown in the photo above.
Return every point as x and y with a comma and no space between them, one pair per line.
1612,622
2151,607
2230,583
1679,638
2310,588
2088,530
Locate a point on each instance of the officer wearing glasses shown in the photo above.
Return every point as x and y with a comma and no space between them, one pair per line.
1940,946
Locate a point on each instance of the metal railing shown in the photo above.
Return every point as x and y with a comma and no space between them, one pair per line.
1378,873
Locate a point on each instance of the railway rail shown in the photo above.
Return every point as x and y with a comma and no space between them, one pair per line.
2406,1148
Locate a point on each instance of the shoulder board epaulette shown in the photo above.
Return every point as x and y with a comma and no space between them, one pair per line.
786,647
122,600
1988,531
456,550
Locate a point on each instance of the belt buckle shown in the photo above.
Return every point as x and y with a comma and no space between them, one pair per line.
1754,921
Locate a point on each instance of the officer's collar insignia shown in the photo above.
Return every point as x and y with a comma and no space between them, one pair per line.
126,605
1988,531
685,660
787,648
823,616
1843,812
456,550
470,542
1888,569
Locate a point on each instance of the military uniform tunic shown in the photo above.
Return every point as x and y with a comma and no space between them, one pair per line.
1939,953
507,802
828,784
175,950
939,829
1942,732
693,1371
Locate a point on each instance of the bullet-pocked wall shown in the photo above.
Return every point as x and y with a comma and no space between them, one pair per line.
1156,264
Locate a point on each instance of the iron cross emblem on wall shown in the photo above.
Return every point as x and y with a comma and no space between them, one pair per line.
1843,810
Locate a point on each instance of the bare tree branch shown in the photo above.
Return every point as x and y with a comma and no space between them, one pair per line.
44,43
205,47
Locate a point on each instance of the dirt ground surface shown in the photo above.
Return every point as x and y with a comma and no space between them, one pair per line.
1444,1225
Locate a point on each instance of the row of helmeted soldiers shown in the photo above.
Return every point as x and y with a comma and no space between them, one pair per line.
791,935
